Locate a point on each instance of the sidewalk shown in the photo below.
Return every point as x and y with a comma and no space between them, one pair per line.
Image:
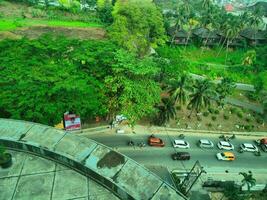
148,130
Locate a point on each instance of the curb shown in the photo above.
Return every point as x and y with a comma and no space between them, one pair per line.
262,134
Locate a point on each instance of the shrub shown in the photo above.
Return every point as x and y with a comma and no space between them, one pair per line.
248,127
213,118
216,112
259,120
233,110
209,124
226,117
211,110
199,118
248,119
239,114
178,107
205,114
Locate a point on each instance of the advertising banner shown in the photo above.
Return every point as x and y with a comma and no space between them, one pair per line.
72,122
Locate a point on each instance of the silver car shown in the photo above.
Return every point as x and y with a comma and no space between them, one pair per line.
249,147
204,143
181,144
225,145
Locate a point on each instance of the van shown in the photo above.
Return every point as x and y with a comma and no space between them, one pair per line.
181,156
228,156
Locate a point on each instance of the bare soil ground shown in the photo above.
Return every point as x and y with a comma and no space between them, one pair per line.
70,32
217,121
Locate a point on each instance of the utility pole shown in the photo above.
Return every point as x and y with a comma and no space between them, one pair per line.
192,177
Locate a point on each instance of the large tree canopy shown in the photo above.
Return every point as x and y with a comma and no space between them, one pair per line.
131,88
137,26
41,79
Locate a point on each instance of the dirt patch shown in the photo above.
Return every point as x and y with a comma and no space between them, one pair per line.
8,35
110,160
69,32
9,9
217,122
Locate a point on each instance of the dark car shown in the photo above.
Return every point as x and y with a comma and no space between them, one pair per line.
181,156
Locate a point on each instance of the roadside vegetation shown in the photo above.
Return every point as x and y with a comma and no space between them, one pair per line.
129,70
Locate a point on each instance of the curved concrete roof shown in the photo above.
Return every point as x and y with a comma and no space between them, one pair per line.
120,174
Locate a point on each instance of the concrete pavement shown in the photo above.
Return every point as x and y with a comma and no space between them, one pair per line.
32,177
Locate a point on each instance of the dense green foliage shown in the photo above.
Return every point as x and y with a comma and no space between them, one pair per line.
138,25
206,63
43,78
131,87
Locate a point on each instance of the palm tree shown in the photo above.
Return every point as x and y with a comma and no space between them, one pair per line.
181,17
224,88
255,18
248,179
166,111
202,95
179,89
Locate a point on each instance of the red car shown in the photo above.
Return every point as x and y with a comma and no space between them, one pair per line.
154,141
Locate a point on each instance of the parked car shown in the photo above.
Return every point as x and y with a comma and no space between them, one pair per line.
181,144
228,156
181,156
155,141
203,143
225,145
249,147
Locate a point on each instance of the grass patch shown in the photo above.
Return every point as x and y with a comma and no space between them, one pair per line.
6,25
11,24
208,63
198,55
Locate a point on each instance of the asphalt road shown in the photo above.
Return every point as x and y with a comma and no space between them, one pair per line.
161,156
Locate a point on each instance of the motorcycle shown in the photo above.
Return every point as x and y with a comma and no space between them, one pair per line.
182,136
233,136
226,138
130,143
141,144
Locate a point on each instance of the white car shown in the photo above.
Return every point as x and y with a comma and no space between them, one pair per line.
225,145
249,147
181,144
203,143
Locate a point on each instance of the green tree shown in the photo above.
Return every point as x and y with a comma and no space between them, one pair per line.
171,63
138,26
104,9
131,89
225,88
255,18
201,96
166,111
249,58
179,90
232,192
248,180
43,78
